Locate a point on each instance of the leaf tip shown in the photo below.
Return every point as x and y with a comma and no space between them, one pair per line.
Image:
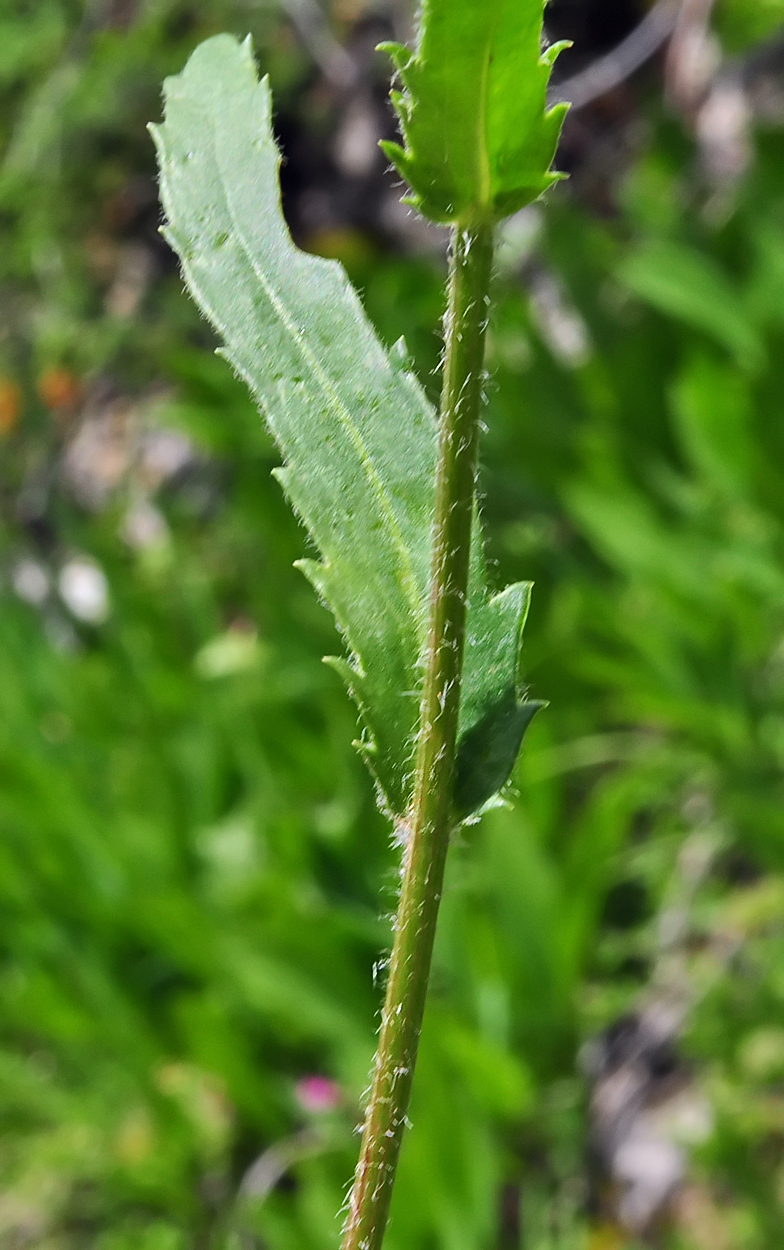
551,53
400,55
399,355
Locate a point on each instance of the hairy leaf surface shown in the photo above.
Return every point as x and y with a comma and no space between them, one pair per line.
357,435
478,136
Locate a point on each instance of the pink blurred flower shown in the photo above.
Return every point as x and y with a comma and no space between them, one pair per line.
317,1094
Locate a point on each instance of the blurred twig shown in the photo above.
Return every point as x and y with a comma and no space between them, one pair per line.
264,1173
693,56
335,63
611,70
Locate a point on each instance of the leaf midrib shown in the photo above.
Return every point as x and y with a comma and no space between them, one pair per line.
482,136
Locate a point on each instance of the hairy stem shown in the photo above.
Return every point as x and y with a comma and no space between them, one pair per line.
431,815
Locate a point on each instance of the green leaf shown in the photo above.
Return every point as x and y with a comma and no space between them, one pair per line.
742,23
479,139
689,285
357,435
712,411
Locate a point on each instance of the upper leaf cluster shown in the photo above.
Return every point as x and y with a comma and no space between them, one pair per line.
479,139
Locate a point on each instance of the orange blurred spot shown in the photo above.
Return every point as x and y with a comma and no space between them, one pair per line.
10,405
339,243
59,389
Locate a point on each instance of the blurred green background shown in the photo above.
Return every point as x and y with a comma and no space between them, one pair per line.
195,886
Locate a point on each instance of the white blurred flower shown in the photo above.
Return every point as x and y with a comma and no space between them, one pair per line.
518,238
560,324
99,455
234,651
84,590
30,580
163,454
144,526
356,144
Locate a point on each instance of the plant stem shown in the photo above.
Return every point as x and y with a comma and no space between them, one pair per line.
431,816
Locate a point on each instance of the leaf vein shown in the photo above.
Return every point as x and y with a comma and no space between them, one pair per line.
302,344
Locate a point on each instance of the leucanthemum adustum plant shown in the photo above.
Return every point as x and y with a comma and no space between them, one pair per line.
385,486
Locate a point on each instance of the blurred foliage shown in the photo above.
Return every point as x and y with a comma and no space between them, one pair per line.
191,864
742,24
